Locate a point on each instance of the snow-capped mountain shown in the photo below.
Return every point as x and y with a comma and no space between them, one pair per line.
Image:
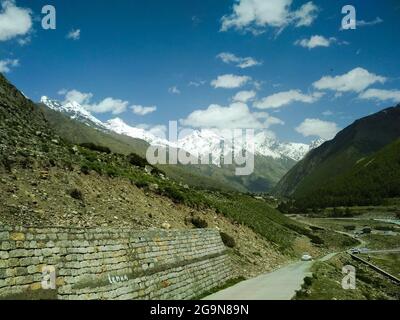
75,111
117,125
197,143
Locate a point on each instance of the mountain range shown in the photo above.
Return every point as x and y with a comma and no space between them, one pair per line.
199,142
272,158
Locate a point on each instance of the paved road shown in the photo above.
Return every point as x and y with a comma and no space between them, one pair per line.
278,285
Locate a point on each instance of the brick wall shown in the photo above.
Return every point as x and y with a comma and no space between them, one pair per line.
105,263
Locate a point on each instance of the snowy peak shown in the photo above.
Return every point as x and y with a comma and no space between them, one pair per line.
117,125
75,111
197,143
317,143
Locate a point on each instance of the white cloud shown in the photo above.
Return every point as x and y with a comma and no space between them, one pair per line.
24,41
174,90
363,23
381,95
327,113
115,106
244,96
230,81
256,15
14,21
242,63
142,111
197,83
306,15
319,128
235,116
7,64
157,130
280,99
355,80
74,34
315,41
77,96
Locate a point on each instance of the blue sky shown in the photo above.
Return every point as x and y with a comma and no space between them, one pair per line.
149,62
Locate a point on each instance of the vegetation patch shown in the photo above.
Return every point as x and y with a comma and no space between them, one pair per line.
76,194
228,240
199,223
95,147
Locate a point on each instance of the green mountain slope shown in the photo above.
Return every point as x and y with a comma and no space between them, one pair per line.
369,181
336,157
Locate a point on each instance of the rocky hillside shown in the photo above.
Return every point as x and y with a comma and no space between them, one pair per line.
339,156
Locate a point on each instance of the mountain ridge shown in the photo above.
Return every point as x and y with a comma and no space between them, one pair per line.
197,143
357,141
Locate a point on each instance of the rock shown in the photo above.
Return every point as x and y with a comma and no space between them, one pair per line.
166,226
153,187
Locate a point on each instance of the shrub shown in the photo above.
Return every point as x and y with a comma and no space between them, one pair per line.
112,172
228,240
137,160
157,172
7,163
308,281
141,184
315,239
367,230
85,169
76,194
95,147
199,223
349,228
174,194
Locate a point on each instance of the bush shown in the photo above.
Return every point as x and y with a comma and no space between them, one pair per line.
349,228
199,223
94,147
316,239
112,172
228,240
76,194
137,160
141,184
85,169
308,281
367,230
157,172
174,194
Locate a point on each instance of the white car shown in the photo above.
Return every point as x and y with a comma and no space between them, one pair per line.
306,257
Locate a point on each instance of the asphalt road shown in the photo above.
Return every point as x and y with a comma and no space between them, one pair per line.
278,285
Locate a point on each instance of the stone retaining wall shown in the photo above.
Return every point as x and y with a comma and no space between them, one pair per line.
110,263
